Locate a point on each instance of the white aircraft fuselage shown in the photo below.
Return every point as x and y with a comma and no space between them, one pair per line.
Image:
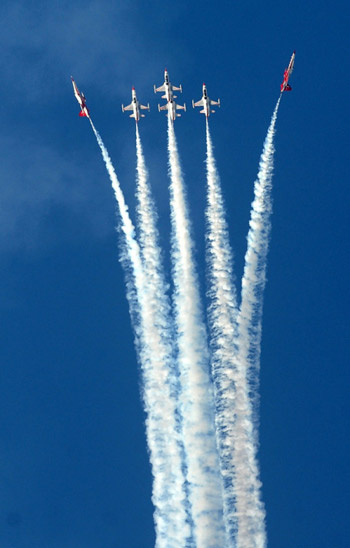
205,102
172,107
135,106
168,88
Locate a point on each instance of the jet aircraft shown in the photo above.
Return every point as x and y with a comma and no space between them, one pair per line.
81,100
206,103
168,88
288,71
135,106
172,107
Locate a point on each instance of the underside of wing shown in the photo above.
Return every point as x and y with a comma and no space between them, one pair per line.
129,107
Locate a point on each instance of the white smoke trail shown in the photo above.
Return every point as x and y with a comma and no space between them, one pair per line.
243,510
251,525
196,398
254,276
158,417
160,336
222,315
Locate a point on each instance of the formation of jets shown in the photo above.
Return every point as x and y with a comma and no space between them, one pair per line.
167,88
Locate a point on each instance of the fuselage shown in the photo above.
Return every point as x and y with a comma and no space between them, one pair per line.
80,97
288,71
205,103
168,87
206,100
135,105
172,109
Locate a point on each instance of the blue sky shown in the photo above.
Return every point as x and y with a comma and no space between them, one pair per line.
74,464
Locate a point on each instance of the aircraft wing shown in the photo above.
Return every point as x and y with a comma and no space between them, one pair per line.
199,103
215,102
164,107
143,107
161,88
178,107
129,107
177,88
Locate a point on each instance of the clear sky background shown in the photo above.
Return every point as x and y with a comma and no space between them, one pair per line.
74,470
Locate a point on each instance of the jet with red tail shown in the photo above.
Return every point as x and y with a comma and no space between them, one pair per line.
81,100
285,86
135,106
206,103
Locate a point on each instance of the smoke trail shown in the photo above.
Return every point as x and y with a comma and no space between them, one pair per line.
158,418
196,399
251,525
160,335
254,277
243,510
222,313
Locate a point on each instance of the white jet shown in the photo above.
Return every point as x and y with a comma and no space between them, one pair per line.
135,106
168,88
206,103
172,107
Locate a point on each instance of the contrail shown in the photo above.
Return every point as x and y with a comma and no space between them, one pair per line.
160,335
222,316
243,510
251,526
254,276
196,398
167,516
